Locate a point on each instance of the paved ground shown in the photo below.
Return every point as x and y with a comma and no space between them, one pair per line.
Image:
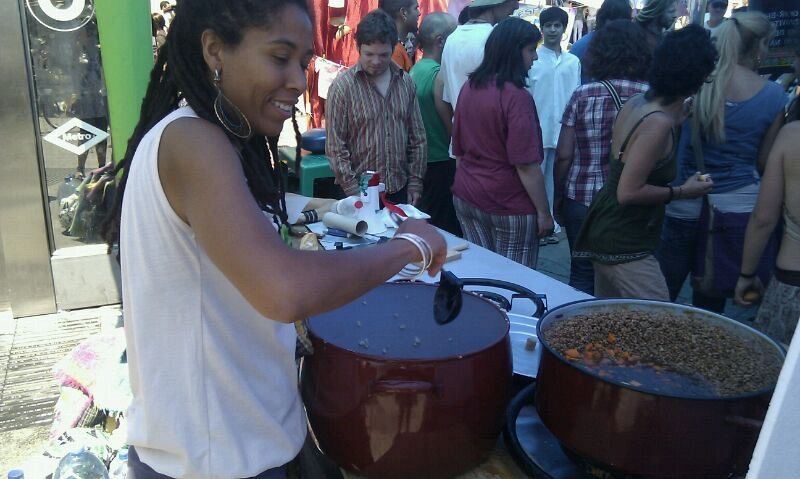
29,348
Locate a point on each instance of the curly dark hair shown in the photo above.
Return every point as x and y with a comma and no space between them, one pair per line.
618,50
376,27
502,57
674,73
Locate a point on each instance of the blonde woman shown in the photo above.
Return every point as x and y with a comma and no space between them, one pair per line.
738,114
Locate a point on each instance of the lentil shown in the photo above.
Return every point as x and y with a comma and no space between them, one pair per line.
729,363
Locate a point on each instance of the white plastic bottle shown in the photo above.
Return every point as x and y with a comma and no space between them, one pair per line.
80,463
119,466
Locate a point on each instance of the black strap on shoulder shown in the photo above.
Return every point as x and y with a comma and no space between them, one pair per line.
630,133
614,94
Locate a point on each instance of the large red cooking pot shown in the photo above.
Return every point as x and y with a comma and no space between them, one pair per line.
637,431
392,394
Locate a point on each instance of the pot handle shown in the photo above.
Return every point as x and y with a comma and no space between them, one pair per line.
745,422
401,386
521,292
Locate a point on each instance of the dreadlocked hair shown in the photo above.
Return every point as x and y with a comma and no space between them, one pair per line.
180,72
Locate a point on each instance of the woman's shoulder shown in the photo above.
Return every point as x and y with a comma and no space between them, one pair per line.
767,94
195,143
790,133
518,96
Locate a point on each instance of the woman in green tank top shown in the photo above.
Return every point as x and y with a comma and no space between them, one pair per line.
623,224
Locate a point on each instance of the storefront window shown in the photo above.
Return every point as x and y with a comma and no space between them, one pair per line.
70,95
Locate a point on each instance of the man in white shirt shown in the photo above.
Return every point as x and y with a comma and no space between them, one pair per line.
167,12
716,14
551,80
463,51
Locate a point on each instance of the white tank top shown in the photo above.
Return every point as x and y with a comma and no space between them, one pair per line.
214,382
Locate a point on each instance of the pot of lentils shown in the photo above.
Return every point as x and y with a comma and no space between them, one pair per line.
655,389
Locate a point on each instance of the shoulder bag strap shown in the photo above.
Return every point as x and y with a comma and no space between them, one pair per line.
697,145
614,94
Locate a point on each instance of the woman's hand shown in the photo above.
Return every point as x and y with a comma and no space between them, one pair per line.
430,235
696,186
544,224
748,291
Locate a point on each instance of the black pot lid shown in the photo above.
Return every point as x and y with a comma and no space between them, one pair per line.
395,321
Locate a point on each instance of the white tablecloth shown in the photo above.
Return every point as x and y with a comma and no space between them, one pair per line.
477,262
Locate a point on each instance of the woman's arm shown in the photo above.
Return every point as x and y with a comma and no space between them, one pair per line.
763,220
768,141
533,180
650,142
205,185
565,155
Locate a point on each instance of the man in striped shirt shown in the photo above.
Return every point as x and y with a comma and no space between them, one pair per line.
373,119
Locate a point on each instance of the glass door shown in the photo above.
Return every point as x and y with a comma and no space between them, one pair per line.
72,125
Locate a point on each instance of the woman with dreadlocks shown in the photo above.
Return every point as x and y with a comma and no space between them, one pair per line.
210,291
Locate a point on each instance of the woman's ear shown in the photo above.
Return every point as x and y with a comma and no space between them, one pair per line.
212,49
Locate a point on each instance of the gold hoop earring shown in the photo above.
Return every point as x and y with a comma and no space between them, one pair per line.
240,128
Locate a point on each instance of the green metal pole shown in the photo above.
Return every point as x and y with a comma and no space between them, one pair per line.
127,52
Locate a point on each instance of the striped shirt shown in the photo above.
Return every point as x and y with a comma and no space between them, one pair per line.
367,131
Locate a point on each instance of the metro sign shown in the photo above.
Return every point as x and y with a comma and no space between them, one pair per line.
78,142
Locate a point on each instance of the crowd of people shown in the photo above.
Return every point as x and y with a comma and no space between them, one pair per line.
480,170
530,154
495,131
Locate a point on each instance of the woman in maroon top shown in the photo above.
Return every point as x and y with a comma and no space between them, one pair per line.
498,192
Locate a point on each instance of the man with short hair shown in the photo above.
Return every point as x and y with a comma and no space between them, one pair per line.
437,200
655,18
373,117
167,12
609,11
552,80
716,14
463,51
405,14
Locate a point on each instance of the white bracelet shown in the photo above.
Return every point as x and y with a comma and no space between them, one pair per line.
415,270
427,256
